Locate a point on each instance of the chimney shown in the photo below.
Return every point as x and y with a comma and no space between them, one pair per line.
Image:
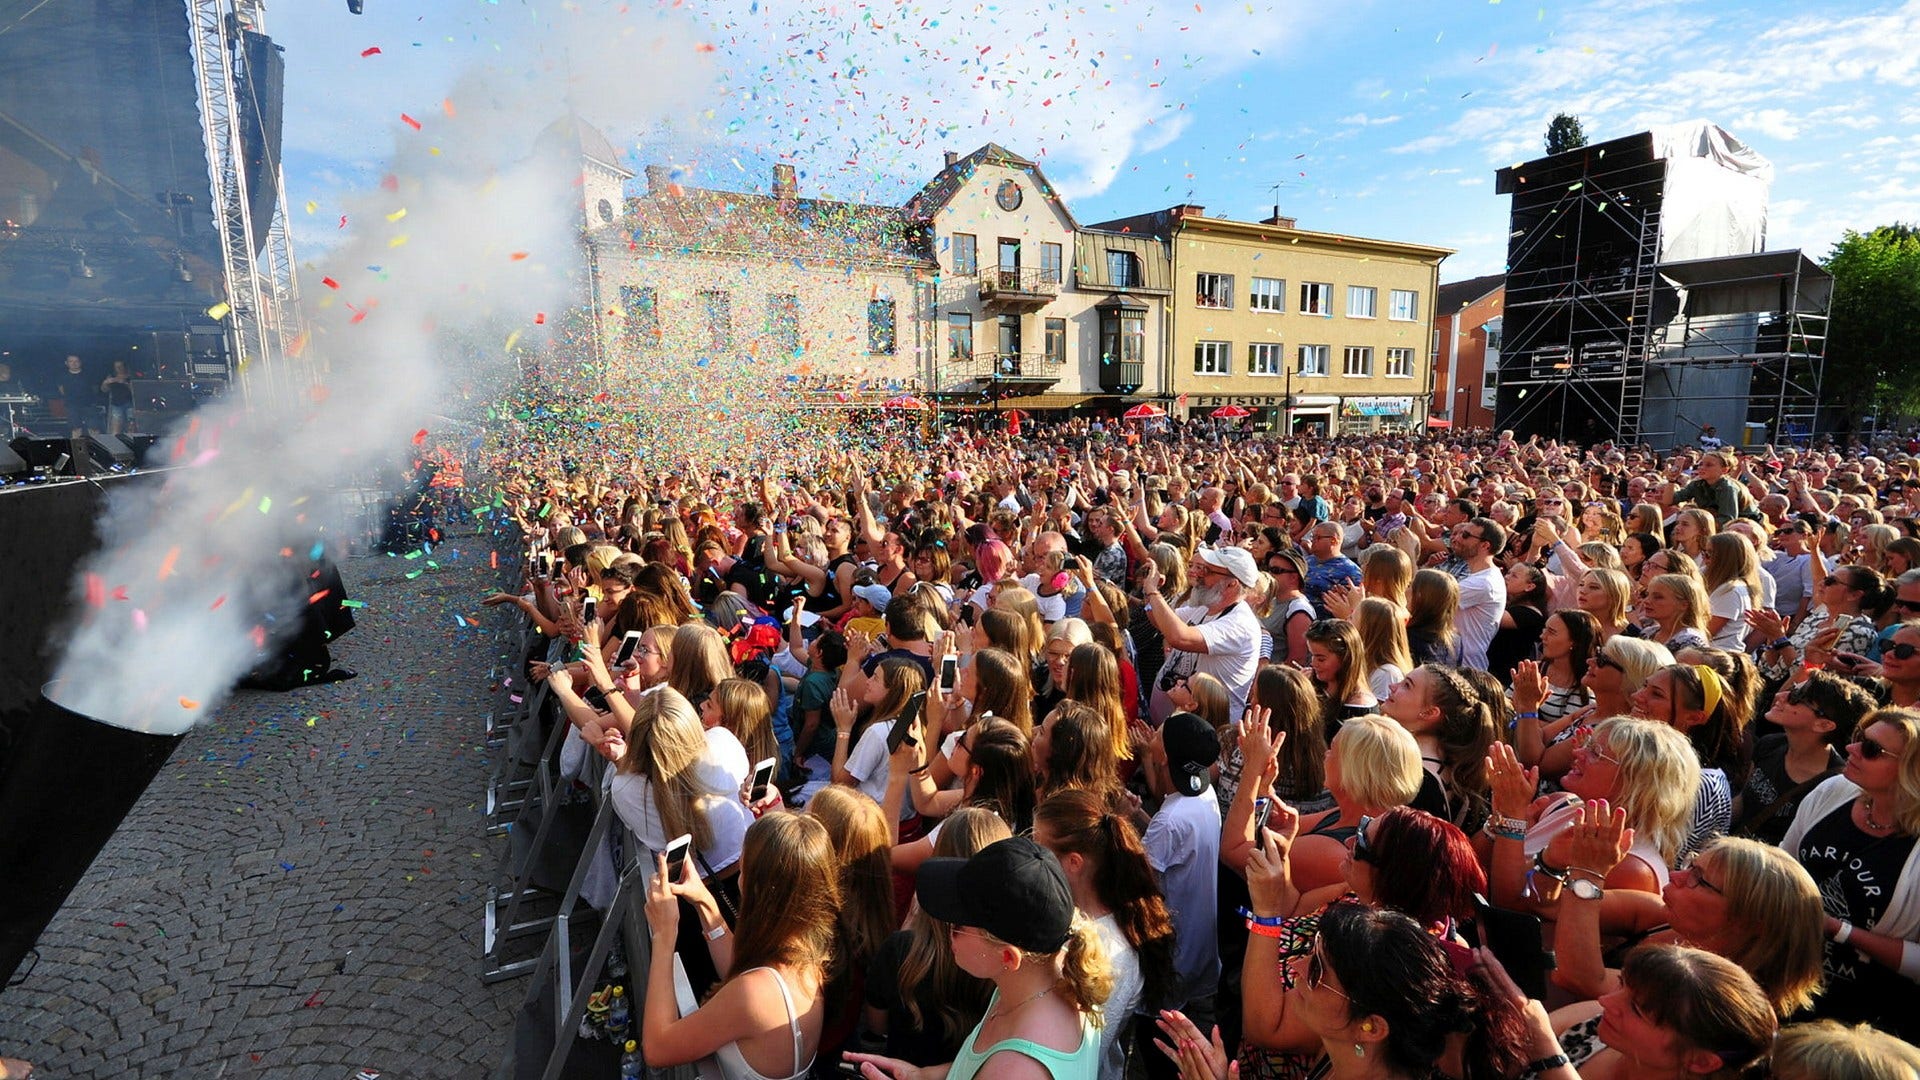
784,184
1187,210
658,177
952,159
1279,221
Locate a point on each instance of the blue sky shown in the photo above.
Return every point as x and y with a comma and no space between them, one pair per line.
1370,118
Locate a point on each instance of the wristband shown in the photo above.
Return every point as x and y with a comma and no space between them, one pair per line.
1554,1061
717,932
1263,920
1558,874
1503,834
921,770
1502,823
1263,930
1779,643
843,735
1530,714
1844,934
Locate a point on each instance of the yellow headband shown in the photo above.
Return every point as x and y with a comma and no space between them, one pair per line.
1711,688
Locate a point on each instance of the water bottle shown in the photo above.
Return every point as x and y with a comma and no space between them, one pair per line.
618,1015
594,1024
632,1065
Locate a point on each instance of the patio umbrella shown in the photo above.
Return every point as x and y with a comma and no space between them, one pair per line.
904,401
1143,411
1232,412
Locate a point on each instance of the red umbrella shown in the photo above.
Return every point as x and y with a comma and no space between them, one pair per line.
1437,422
1016,415
904,401
1232,412
1143,411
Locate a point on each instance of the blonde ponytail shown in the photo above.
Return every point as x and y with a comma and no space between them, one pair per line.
1086,978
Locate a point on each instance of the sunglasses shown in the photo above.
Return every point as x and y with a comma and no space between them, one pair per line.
1902,651
1602,660
1362,847
1870,750
1317,972
1907,605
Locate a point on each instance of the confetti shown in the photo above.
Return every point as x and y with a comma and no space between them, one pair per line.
371,50
185,703
410,121
219,311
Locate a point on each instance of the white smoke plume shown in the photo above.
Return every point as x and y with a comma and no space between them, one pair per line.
472,237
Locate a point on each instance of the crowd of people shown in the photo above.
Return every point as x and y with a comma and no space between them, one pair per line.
1102,754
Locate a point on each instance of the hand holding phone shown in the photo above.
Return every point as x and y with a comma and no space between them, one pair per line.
589,610
902,730
762,779
949,672
677,849
627,645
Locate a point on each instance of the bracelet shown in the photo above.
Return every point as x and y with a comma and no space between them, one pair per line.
1503,834
1530,714
843,734
1779,643
1594,874
1500,823
1554,1061
1263,920
1844,934
1558,874
921,770
1262,930
717,932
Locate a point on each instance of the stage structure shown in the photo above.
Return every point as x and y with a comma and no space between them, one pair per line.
141,207
1600,341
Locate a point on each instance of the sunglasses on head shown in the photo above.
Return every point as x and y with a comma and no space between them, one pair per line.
1362,847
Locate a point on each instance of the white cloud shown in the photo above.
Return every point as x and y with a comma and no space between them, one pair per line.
1774,123
1361,119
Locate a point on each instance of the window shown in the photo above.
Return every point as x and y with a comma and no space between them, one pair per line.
1357,362
1313,359
718,307
1403,304
641,310
1363,302
1050,263
1009,332
1213,290
1316,298
1009,254
1123,269
960,336
880,339
1266,358
1123,337
1056,338
966,254
1211,357
1399,363
1267,294
783,322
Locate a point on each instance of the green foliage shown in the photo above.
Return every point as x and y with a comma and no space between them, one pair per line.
1565,133
1874,337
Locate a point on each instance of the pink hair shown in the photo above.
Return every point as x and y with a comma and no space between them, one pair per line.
993,558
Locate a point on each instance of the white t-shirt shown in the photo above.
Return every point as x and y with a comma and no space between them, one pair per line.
726,816
869,763
1232,656
1123,963
1183,846
1483,599
1731,602
1382,679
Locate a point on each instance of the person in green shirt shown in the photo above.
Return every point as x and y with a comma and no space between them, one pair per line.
1713,490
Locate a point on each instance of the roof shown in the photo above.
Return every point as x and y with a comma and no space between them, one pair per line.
1458,294
571,136
706,221
1189,218
947,183
1730,269
1091,271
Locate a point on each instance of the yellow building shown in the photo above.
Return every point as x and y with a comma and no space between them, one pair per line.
1266,312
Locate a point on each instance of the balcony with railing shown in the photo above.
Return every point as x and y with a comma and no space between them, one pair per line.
1014,289
988,372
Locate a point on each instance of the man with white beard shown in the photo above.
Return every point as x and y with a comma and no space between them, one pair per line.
1216,632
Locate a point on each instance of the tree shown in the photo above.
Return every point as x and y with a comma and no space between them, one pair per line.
1873,337
1564,133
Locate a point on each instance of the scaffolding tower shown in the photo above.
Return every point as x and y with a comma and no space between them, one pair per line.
263,321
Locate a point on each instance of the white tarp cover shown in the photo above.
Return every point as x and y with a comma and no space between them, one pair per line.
1716,195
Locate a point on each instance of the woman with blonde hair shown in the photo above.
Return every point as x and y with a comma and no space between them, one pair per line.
858,831
1372,766
1604,593
1433,609
1691,528
1011,633
1874,540
916,994
1674,612
1149,647
767,1016
1062,639
700,662
1646,518
1747,901
1733,589
1825,1050
1386,572
1602,523
1679,1013
741,706
1382,626
1012,921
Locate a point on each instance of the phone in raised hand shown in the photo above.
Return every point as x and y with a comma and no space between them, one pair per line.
1262,810
677,849
627,645
949,673
763,778
902,731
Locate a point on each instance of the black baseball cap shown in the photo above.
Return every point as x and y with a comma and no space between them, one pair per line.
1192,748
1013,889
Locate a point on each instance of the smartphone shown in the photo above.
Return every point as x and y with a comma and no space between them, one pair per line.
677,849
533,566
590,610
949,672
967,613
597,699
763,778
1841,622
903,724
1262,810
627,645
546,566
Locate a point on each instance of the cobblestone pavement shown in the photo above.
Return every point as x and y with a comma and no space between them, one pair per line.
299,894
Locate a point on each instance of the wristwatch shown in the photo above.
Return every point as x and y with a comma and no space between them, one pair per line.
1582,889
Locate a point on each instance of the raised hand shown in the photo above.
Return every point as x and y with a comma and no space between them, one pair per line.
1512,786
1529,687
844,710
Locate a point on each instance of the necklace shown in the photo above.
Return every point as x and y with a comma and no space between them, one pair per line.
1866,808
1024,1002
